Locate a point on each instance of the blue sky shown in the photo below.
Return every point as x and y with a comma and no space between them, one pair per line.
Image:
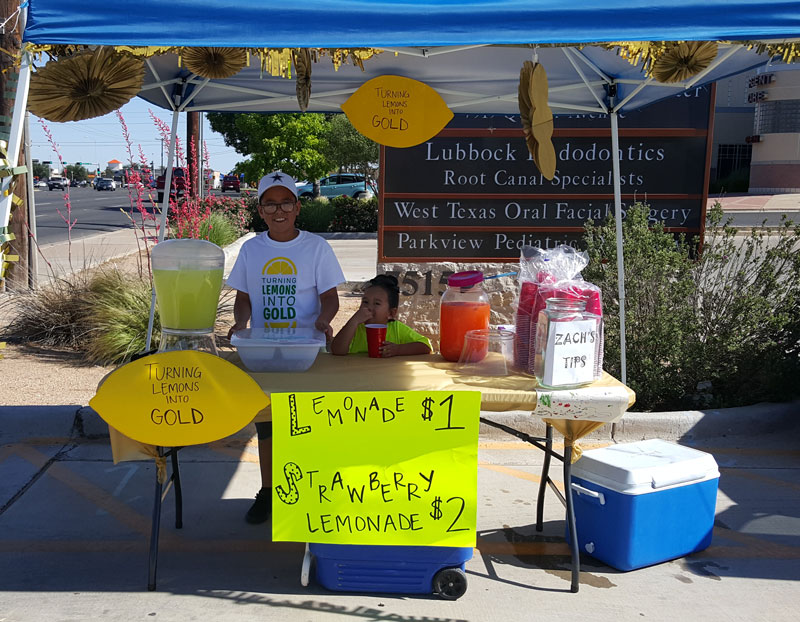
100,140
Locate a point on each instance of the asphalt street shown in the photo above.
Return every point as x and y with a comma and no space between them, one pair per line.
92,212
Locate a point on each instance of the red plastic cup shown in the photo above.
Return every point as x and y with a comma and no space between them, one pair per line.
376,335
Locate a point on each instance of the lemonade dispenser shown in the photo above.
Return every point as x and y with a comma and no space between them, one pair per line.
187,275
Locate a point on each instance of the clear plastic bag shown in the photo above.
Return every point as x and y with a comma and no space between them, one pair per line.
543,274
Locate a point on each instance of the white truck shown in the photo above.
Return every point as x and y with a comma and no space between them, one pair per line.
57,182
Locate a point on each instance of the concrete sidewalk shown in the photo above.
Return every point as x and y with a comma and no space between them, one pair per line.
357,253
74,532
757,202
74,527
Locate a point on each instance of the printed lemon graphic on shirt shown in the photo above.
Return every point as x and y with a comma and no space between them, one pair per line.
278,289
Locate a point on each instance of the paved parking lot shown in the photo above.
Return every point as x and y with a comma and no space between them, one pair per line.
74,532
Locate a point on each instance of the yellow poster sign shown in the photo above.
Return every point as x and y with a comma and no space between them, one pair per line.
397,111
178,398
387,467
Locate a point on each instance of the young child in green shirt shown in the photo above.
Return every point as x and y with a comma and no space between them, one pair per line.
379,306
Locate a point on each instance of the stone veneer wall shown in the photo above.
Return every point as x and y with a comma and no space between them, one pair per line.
420,309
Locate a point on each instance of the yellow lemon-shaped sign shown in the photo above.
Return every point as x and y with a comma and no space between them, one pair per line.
178,398
397,111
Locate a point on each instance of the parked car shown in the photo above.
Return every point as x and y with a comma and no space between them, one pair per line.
57,183
177,187
230,182
337,185
105,184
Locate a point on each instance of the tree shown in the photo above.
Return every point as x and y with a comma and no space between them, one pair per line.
42,171
293,143
76,172
349,148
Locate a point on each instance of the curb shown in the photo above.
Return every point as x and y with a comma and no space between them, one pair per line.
348,235
706,424
682,425
20,423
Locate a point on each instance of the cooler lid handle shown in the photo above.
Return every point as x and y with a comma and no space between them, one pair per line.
670,479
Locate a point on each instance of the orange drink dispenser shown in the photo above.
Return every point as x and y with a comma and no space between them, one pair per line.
187,275
464,306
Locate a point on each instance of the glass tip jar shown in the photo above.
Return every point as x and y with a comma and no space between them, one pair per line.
568,347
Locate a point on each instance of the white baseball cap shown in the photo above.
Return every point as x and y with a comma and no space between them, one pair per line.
277,178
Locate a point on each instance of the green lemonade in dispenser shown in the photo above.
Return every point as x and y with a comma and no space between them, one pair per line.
187,299
187,275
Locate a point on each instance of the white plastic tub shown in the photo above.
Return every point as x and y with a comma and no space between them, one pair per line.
278,349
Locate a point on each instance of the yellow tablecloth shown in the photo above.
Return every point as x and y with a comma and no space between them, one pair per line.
574,413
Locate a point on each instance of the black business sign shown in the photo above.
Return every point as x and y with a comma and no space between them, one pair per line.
686,109
473,192
527,211
449,245
492,165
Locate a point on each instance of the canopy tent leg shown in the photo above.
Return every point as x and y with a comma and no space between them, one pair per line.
620,259
33,257
164,210
15,138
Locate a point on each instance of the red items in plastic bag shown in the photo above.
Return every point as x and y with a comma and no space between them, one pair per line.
543,274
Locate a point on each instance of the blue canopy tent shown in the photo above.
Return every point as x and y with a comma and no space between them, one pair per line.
469,51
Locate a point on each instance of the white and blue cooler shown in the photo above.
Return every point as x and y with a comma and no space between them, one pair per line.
638,504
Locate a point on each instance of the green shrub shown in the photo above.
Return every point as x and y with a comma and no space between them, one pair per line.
658,291
52,316
351,214
235,209
256,222
119,308
737,181
188,215
315,215
341,213
719,330
219,229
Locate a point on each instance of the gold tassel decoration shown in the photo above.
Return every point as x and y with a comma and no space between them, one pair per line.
537,118
84,86
684,60
214,63
302,69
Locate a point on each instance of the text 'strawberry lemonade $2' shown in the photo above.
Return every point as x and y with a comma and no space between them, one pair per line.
464,306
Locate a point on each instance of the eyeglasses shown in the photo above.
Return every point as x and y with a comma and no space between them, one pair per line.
271,208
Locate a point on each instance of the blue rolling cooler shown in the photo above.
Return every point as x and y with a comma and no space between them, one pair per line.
638,504
392,569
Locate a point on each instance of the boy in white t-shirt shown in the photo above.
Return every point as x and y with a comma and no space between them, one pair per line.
286,278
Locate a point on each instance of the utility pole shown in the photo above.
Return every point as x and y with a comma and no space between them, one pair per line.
11,42
192,159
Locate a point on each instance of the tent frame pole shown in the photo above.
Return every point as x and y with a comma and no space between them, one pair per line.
164,210
15,137
620,258
33,257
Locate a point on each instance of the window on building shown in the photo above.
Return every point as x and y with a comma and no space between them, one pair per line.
778,117
731,158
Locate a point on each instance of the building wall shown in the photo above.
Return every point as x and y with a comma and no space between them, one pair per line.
775,163
733,122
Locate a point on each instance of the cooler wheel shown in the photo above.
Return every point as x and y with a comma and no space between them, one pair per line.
450,583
